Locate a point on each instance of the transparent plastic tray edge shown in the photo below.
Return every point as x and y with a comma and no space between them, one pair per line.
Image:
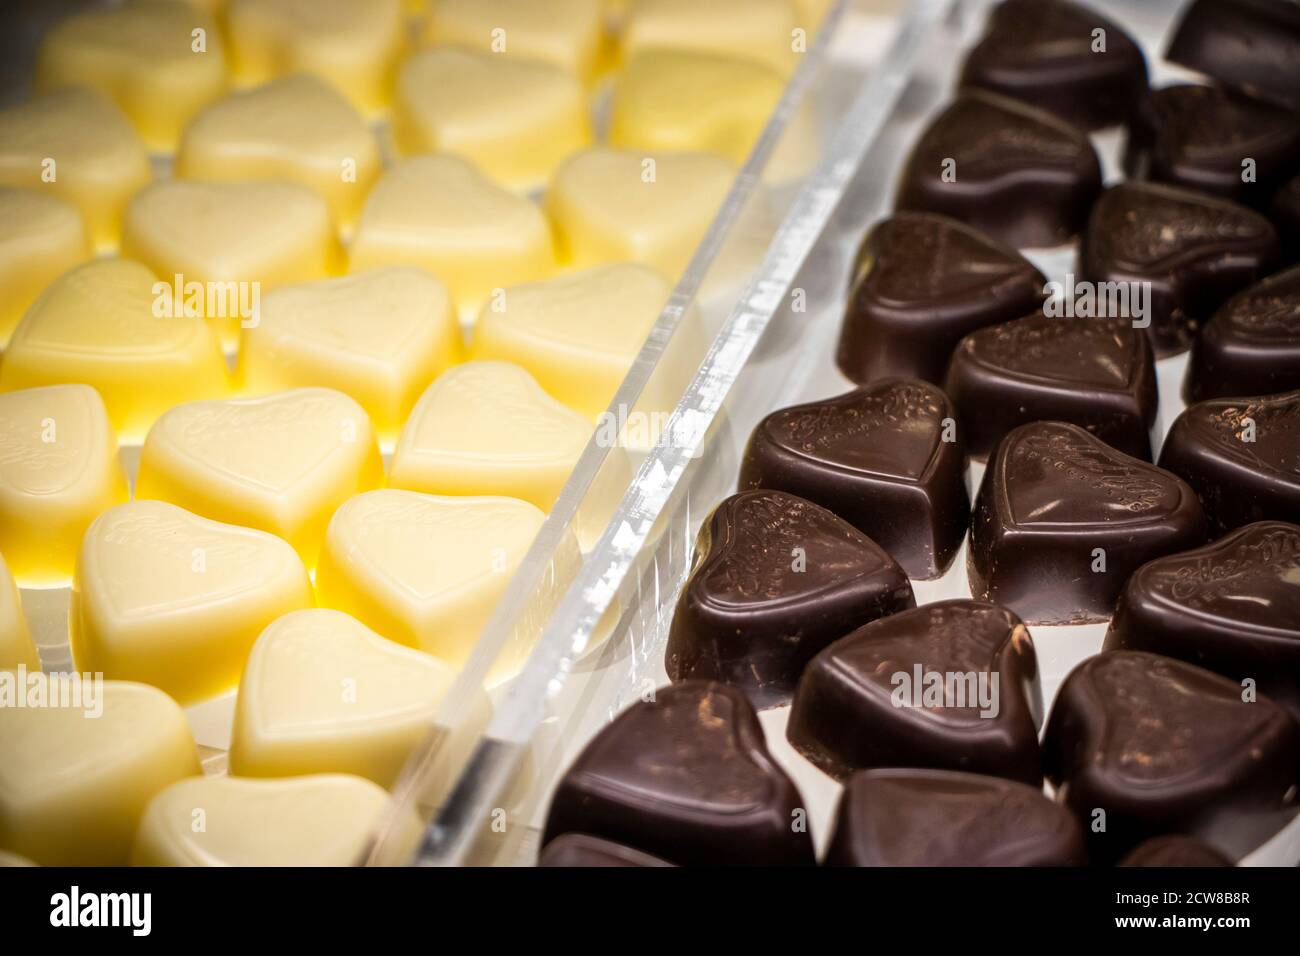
495,756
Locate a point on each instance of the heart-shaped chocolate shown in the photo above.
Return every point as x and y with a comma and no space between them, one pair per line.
167,598
685,776
1017,173
1060,57
1185,252
1062,519
878,458
945,818
1242,455
1232,606
79,762
1141,745
323,693
1245,44
920,283
282,462
776,579
1206,138
1096,373
1252,344
950,686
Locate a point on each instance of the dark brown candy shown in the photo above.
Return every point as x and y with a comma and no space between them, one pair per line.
1097,373
776,579
1143,745
579,849
1232,607
1215,141
943,818
1252,344
1242,455
686,777
887,458
1252,45
1017,173
949,686
1050,54
921,282
1175,850
1189,251
1062,519
1285,213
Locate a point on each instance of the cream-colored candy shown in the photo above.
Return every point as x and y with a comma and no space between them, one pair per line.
576,333
610,205
281,463
489,428
73,783
44,237
567,33
168,598
321,820
354,44
427,570
681,100
441,214
76,145
379,336
16,645
108,325
230,243
161,62
516,119
323,693
58,470
297,128
762,30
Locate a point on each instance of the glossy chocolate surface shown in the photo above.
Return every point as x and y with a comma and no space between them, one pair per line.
1175,850
1252,344
942,818
1253,45
1242,455
1232,606
1021,175
921,282
1161,746
1194,251
1092,372
877,458
1198,137
686,777
1045,53
776,579
1051,497
905,691
581,850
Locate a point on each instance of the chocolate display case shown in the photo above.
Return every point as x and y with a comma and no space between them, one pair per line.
605,641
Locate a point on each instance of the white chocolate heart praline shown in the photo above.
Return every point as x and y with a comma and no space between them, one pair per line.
323,693
167,598
281,463
75,779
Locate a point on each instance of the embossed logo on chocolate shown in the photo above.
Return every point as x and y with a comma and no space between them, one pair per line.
837,431
1162,718
765,534
1144,225
1090,351
1265,432
920,257
1100,484
1259,565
